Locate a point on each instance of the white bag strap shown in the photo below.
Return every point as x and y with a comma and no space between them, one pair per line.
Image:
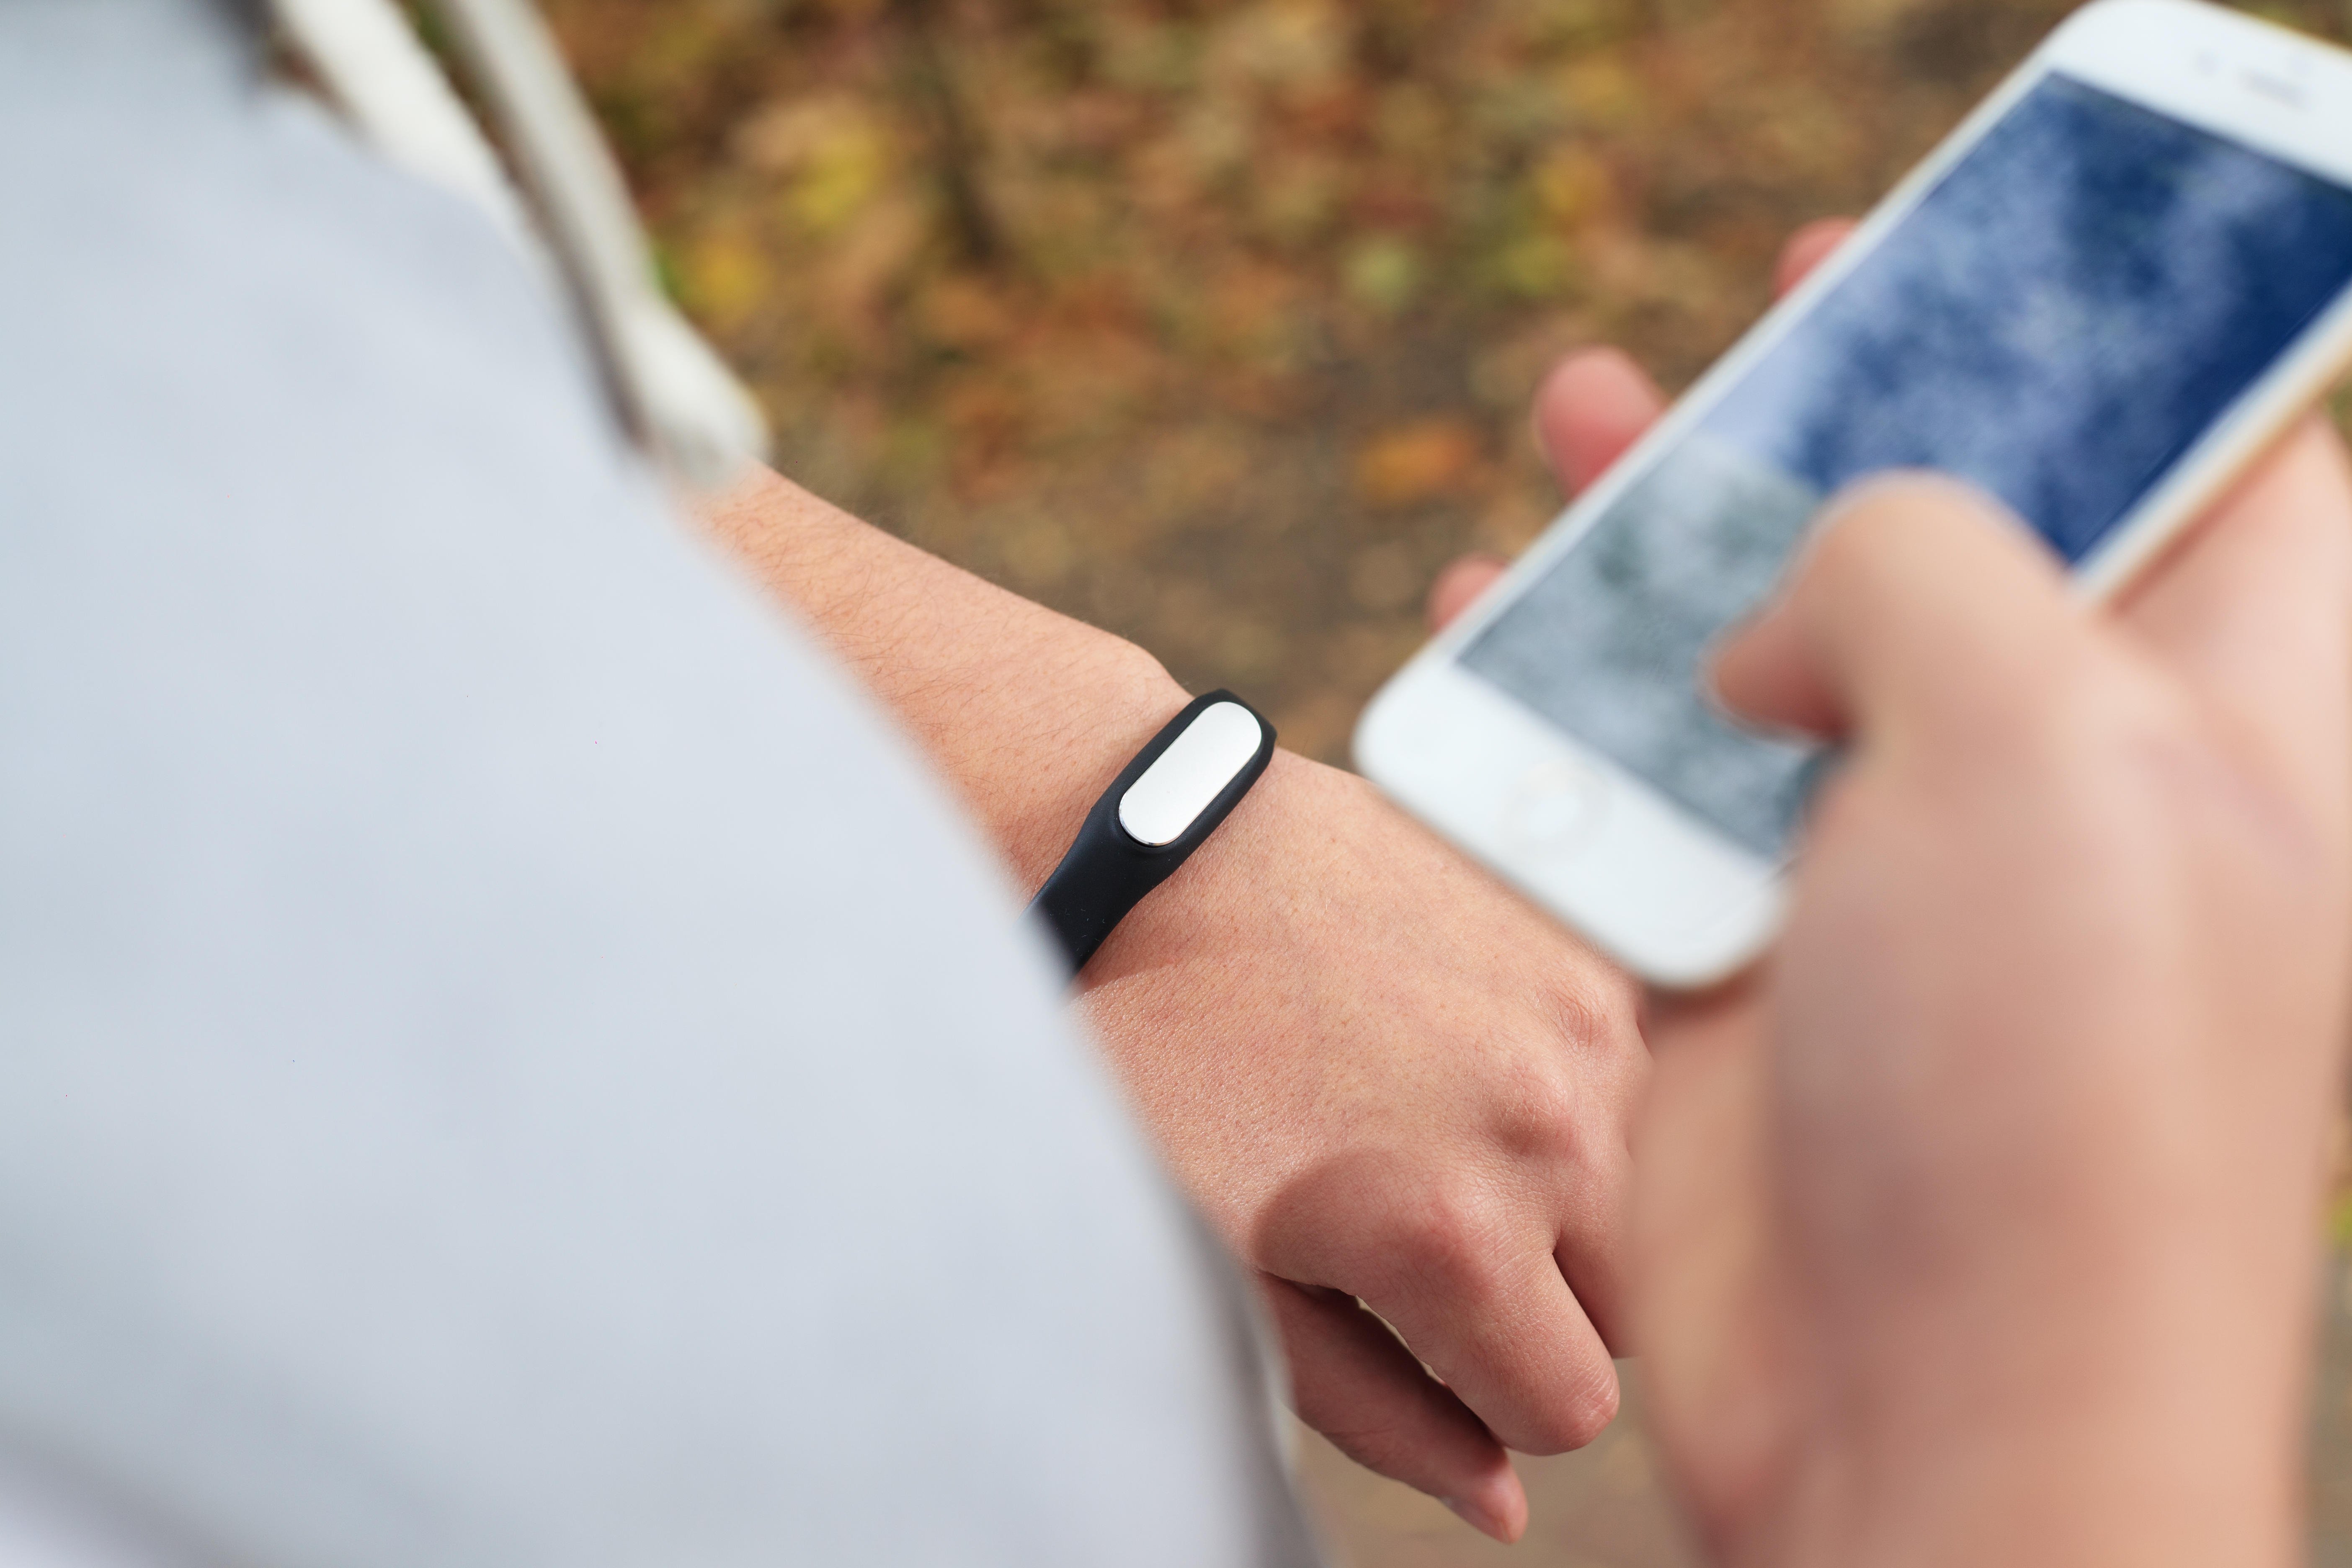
672,392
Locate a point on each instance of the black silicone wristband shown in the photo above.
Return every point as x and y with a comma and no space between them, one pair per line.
1106,872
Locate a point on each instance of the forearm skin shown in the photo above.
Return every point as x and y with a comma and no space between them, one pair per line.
1029,714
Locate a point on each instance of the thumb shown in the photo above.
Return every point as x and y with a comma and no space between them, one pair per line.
1917,603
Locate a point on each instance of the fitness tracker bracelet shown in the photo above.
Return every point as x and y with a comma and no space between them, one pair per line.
1162,807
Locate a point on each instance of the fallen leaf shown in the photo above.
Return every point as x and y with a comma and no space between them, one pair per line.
1416,462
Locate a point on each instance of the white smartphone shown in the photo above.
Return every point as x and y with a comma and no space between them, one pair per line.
2098,300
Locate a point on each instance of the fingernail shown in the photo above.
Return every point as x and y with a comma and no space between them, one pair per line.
1474,1516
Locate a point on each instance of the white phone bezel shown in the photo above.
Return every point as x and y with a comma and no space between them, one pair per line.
1644,880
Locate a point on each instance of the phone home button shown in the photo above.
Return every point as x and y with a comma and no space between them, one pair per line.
1553,809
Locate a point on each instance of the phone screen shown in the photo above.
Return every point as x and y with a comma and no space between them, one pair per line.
2059,321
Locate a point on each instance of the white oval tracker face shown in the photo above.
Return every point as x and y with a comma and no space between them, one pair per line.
1176,788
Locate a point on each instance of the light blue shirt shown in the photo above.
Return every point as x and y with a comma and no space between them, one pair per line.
505,1059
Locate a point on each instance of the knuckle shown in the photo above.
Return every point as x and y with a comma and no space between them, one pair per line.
1597,1011
2072,707
1580,1413
2153,783
2094,698
1571,1103
2212,797
2121,730
1543,1116
1442,1239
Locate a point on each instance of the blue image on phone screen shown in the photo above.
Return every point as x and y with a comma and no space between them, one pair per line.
2057,322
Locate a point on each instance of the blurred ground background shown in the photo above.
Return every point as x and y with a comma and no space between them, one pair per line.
1214,323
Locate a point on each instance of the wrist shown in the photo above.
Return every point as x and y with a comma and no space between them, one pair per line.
1034,781
1266,843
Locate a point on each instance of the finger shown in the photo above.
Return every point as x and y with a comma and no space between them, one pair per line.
1597,403
1808,248
2254,608
1720,1355
1352,1381
1590,1252
1462,581
1916,608
1508,1336
1467,1278
1592,405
